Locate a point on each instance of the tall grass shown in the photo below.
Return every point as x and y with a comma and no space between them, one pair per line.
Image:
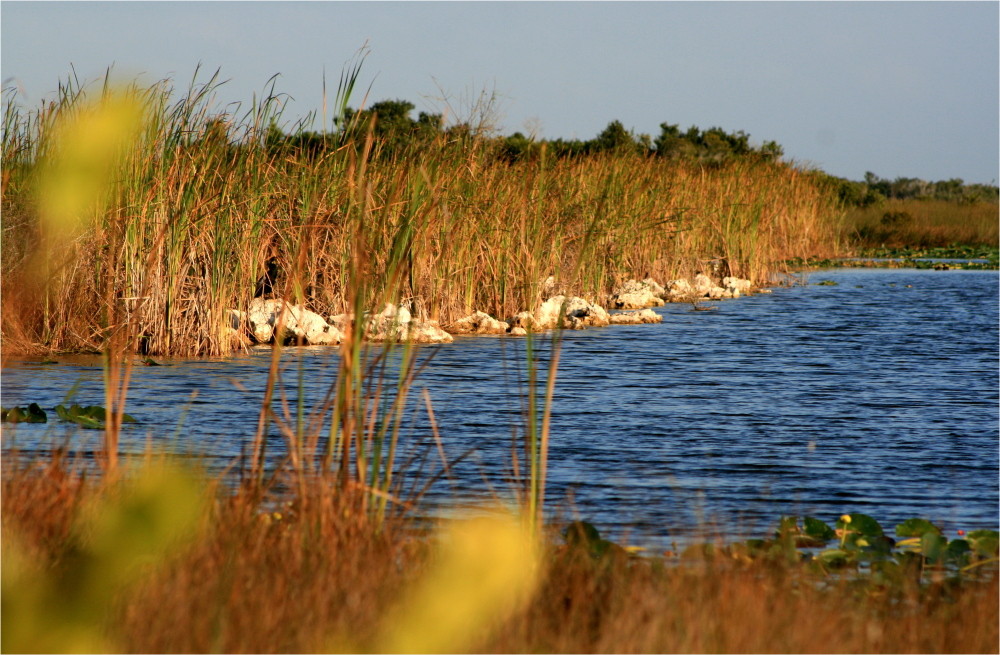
314,576
924,224
202,200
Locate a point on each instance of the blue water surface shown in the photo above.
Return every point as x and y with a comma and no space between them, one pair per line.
878,394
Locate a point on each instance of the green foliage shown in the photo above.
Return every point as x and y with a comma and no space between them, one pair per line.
30,414
859,543
584,536
874,190
92,416
712,145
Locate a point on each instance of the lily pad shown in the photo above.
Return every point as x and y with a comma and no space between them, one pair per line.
92,416
916,528
861,524
582,534
985,543
32,414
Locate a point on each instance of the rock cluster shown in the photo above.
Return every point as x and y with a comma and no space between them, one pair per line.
266,316
569,312
705,287
478,323
636,318
395,323
634,294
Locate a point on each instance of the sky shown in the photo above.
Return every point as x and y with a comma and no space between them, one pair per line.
901,89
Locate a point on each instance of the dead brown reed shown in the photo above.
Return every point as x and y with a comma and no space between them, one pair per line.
201,200
317,576
925,224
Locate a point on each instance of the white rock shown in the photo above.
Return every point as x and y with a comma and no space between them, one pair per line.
518,332
523,321
478,323
680,289
637,295
655,286
743,286
265,315
636,318
426,332
571,312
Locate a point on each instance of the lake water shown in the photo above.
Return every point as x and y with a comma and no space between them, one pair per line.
878,394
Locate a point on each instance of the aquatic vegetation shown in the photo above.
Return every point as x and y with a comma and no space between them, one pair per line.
158,561
91,416
199,206
30,414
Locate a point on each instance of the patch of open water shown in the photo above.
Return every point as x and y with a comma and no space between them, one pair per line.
877,394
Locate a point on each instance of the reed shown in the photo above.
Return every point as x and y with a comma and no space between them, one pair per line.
924,224
313,575
202,198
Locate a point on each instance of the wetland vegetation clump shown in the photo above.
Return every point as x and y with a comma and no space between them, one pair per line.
192,213
159,562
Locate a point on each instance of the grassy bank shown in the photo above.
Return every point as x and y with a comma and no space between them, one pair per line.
164,564
195,203
924,224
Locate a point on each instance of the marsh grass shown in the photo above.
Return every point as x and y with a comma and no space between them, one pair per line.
320,553
317,576
202,198
924,224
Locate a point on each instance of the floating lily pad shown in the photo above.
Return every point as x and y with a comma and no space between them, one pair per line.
861,524
985,543
582,534
834,557
92,416
812,533
31,414
916,528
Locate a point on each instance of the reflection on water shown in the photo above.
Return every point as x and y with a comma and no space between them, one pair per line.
878,394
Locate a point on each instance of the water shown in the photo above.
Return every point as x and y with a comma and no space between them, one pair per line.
878,395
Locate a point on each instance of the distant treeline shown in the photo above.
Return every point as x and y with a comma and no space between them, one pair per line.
395,132
874,190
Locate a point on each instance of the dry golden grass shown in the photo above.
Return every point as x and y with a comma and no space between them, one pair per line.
199,202
925,224
321,576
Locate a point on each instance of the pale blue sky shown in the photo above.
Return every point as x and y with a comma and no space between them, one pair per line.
898,88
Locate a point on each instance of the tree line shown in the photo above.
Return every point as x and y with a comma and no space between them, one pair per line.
874,190
394,132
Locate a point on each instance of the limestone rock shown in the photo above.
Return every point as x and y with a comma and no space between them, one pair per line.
680,290
636,318
655,286
637,295
570,312
478,323
395,324
737,286
585,313
266,314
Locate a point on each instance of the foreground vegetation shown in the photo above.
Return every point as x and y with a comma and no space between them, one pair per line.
160,563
